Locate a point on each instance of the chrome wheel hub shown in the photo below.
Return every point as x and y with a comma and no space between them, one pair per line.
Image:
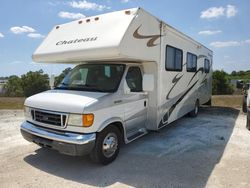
196,109
109,145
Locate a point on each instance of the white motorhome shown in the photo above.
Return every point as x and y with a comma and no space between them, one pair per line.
134,74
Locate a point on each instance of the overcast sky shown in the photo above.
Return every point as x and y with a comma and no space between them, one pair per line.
221,25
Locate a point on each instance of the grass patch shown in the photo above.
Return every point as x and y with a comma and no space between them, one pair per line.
11,102
234,101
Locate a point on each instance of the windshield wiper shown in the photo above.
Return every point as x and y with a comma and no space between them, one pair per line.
82,87
90,87
62,84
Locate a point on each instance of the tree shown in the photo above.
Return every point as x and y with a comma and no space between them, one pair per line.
221,83
13,87
59,78
34,82
234,73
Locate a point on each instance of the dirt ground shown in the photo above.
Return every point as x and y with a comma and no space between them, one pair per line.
212,150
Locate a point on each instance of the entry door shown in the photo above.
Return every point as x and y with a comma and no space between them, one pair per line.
136,102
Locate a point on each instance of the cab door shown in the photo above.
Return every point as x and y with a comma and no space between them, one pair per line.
136,102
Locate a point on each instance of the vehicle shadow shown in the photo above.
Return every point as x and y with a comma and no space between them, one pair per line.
182,155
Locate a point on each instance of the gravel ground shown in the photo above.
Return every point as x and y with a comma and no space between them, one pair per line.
212,150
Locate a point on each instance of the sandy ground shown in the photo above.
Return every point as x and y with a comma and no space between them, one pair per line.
212,150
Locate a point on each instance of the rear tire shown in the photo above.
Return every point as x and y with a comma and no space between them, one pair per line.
209,103
195,111
107,145
248,123
244,104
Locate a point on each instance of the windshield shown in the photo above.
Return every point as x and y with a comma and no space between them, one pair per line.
93,77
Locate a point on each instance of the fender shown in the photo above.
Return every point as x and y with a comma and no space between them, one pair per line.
110,121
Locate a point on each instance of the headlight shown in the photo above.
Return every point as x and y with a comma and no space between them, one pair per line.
27,113
85,120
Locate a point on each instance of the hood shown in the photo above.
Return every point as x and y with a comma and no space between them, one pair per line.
63,100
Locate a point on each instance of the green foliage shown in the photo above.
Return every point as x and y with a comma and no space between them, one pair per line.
29,84
221,83
240,75
59,78
13,87
34,82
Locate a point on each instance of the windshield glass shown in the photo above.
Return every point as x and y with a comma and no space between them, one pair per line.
93,77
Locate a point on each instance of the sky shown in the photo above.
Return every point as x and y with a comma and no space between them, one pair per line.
221,25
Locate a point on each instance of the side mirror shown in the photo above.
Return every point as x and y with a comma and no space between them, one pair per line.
126,88
52,81
148,82
247,86
239,84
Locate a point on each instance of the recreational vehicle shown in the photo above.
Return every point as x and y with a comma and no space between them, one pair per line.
134,74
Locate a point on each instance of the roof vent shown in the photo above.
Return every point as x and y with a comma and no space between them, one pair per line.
127,12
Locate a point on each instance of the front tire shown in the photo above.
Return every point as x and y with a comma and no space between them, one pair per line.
107,145
195,111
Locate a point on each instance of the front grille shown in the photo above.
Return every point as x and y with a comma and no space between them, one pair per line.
50,118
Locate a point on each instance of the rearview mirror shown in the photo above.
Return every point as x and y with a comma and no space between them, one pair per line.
148,82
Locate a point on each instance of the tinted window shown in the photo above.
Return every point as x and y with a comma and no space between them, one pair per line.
173,59
206,66
191,62
134,79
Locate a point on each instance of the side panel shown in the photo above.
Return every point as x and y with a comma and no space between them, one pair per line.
135,114
152,68
142,38
179,90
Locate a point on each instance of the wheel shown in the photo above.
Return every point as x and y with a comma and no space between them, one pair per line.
248,123
195,111
244,104
107,145
209,103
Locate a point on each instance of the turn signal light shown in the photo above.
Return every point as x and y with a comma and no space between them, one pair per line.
87,120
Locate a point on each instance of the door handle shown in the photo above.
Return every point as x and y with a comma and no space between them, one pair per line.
145,103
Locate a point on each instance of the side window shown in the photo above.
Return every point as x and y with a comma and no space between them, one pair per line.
134,79
191,62
173,61
206,66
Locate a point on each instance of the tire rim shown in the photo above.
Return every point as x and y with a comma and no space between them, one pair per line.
196,109
110,144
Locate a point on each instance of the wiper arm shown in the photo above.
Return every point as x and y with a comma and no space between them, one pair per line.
90,87
64,84
81,87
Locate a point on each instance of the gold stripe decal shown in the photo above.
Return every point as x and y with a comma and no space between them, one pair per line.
152,38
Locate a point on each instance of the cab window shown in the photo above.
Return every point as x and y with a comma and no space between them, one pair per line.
134,79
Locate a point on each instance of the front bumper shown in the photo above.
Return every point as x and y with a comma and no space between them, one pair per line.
67,143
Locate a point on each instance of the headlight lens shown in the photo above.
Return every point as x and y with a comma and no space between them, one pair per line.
85,120
27,113
75,120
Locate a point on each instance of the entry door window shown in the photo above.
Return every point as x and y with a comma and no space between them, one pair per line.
134,79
